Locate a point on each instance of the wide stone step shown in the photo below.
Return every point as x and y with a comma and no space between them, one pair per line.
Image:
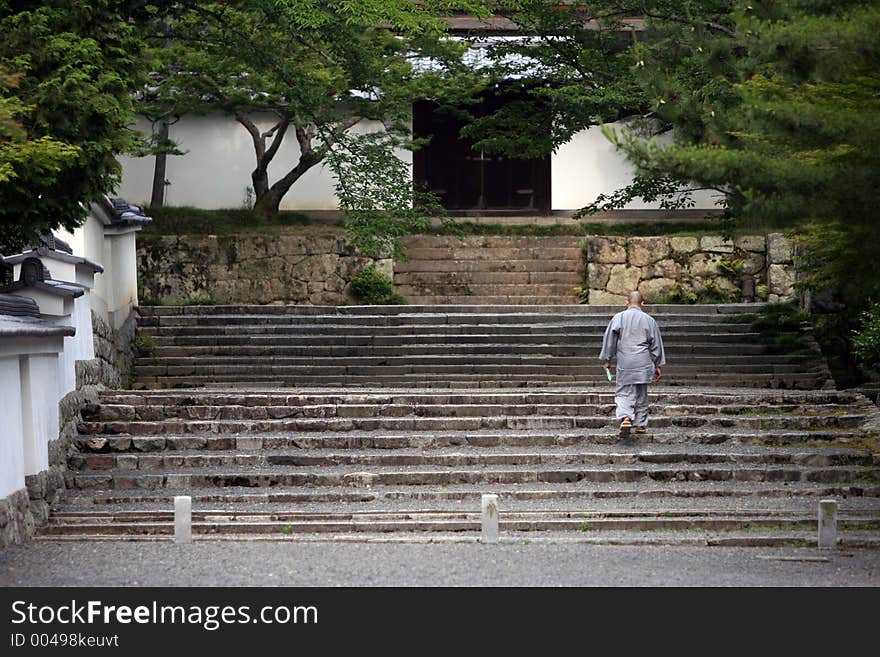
417,423
453,396
111,412
537,367
416,363
542,257
417,277
427,381
650,495
721,357
532,438
290,337
422,321
455,458
557,475
450,522
675,538
562,291
445,309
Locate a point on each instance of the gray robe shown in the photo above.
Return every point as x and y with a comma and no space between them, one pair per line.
634,338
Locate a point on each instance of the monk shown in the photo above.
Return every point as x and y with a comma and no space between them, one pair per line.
633,337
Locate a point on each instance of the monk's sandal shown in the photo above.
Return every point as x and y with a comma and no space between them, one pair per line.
625,426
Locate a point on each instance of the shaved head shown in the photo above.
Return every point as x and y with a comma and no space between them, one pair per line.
635,298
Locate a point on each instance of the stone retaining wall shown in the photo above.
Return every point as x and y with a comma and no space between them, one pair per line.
304,265
710,268
314,265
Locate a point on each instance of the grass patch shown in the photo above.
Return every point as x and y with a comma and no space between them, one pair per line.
194,221
682,229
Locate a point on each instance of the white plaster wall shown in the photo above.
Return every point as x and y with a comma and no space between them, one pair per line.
82,321
87,241
589,165
66,369
39,409
216,169
119,280
11,430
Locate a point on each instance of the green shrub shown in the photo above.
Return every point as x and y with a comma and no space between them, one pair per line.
144,345
583,294
710,293
866,339
374,288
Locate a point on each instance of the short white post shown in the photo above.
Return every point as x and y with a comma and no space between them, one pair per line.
827,524
183,519
490,519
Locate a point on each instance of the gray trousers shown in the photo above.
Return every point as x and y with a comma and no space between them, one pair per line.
632,402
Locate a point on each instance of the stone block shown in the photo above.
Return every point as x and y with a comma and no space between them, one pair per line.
704,265
753,263
646,250
606,250
597,275
127,462
780,280
359,479
655,287
779,249
684,244
716,244
603,298
623,279
754,243
36,485
667,268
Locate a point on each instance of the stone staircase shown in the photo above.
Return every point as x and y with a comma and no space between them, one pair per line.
270,446
459,346
490,270
720,467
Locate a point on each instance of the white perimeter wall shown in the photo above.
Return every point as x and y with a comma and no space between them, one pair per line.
11,444
589,165
215,171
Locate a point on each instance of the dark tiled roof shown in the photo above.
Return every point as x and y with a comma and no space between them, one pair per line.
19,318
11,304
12,326
50,241
122,212
35,276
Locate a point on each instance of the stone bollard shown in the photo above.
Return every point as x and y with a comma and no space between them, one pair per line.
827,524
490,519
182,519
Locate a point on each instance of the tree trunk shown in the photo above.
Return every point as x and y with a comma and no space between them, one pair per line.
267,204
157,199
260,178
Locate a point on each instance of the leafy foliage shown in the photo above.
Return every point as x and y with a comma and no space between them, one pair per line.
67,72
708,293
375,190
866,339
311,69
373,287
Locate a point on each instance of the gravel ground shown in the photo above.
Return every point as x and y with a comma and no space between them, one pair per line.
337,564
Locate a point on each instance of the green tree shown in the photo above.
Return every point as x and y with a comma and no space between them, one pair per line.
315,68
67,72
774,105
